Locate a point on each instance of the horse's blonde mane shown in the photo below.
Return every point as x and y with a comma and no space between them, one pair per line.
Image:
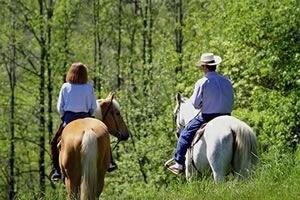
116,105
98,112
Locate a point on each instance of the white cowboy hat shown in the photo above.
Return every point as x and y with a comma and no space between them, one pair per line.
209,59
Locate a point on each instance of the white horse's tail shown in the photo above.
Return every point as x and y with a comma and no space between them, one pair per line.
89,149
245,149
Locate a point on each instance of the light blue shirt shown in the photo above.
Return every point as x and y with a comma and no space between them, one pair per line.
76,98
213,94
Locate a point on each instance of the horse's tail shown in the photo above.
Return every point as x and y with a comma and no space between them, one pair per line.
89,149
244,149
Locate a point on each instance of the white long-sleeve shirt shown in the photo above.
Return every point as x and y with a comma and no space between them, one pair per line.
76,98
213,94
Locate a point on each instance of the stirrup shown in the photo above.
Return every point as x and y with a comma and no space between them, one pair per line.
175,170
169,166
55,176
168,163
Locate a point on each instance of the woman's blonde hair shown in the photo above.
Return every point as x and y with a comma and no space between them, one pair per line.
77,74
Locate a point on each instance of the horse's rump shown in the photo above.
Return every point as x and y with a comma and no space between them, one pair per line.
245,149
84,156
244,143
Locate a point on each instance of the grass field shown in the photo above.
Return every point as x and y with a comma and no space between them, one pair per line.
277,177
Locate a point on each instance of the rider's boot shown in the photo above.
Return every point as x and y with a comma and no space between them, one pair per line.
55,174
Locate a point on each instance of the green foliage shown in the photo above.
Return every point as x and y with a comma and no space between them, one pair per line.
259,42
272,115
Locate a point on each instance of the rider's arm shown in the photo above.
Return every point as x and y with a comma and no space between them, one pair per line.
93,102
196,98
60,101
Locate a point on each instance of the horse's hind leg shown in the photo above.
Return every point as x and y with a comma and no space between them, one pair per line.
71,170
72,189
219,157
104,157
218,175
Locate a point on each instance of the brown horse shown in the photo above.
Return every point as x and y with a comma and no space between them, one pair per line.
85,150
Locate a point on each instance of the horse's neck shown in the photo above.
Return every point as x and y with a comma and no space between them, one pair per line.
98,111
188,111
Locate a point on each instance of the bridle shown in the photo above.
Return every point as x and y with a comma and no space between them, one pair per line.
177,117
115,122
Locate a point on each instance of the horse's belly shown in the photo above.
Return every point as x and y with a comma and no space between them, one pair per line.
219,150
200,157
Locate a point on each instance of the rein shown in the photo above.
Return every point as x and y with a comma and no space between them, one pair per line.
104,116
182,126
116,145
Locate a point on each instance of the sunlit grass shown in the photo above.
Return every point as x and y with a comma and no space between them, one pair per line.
277,176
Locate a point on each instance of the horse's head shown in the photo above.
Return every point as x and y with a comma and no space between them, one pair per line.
179,121
109,113
184,112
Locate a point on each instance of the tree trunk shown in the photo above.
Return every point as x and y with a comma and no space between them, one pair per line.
11,70
150,29
119,44
149,43
133,87
42,101
179,34
65,61
97,48
144,14
145,36
65,42
49,67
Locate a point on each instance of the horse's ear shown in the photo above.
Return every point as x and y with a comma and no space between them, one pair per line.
178,97
111,96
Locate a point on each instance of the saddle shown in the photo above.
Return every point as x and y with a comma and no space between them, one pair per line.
198,135
196,138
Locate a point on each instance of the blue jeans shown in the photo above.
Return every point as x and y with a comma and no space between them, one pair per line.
71,116
187,134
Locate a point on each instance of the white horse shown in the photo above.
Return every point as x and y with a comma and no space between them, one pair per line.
227,144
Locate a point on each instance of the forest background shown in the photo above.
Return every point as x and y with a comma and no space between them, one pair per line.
146,51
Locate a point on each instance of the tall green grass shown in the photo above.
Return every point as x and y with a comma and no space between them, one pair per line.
277,176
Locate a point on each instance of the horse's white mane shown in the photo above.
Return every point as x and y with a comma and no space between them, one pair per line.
187,110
